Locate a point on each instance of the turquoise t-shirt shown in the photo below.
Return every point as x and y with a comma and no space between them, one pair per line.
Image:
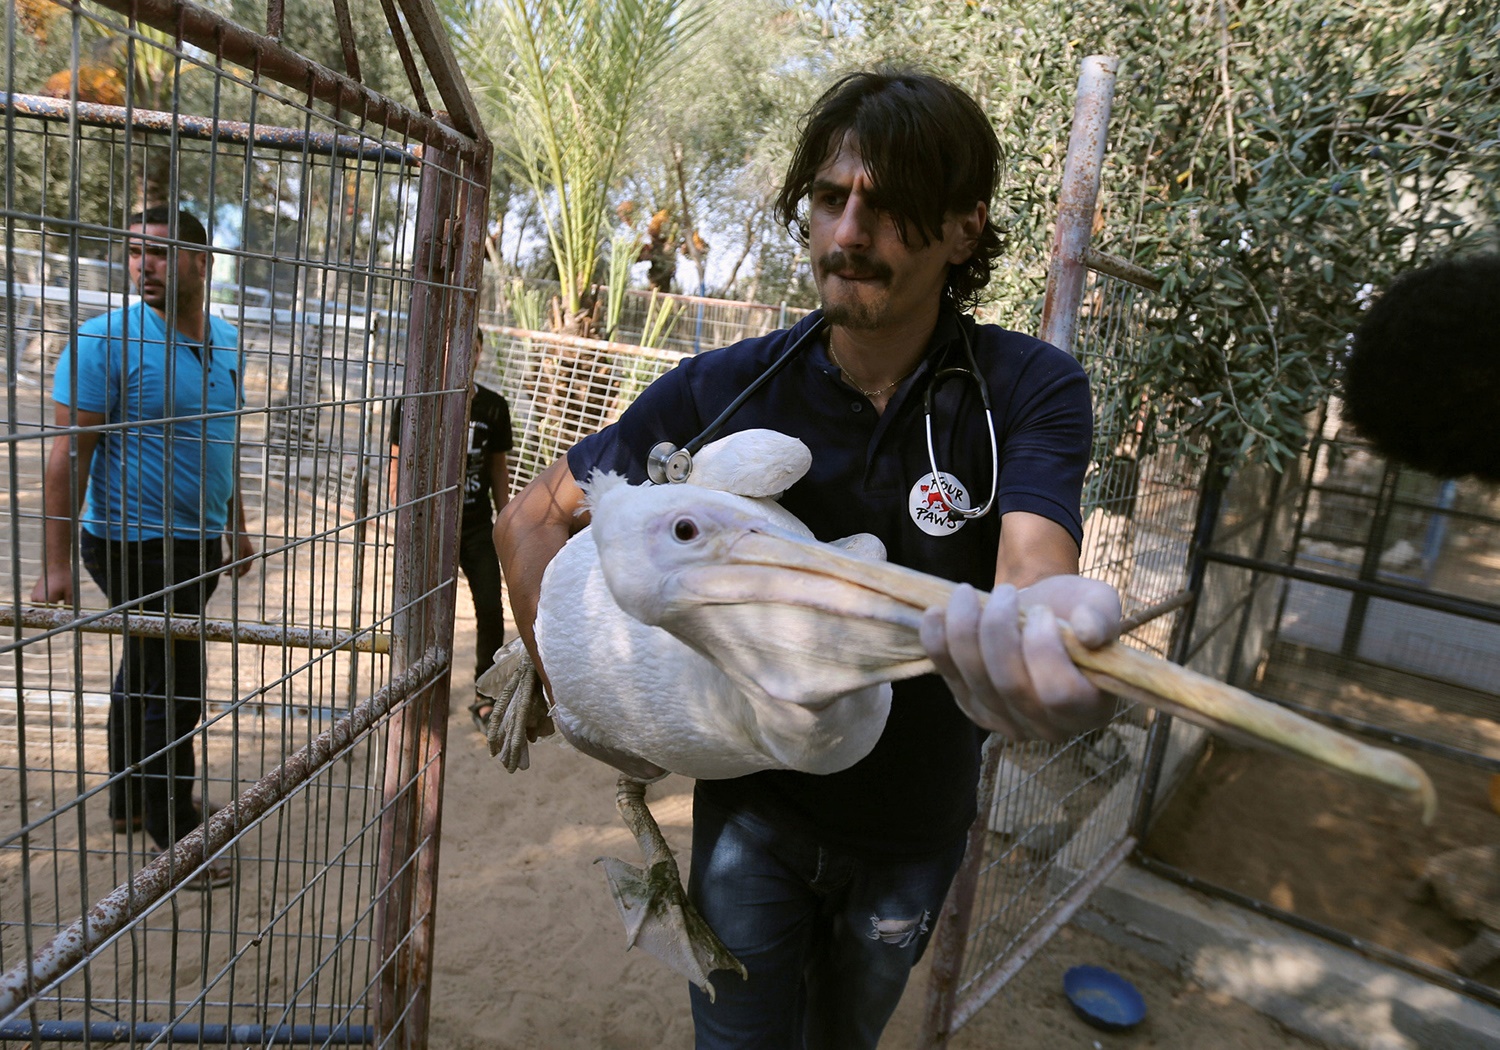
181,401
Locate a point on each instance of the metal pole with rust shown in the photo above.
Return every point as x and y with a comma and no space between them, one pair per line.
470,211
1077,199
153,625
418,518
433,443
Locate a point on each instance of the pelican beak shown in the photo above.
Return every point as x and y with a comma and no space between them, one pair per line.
767,565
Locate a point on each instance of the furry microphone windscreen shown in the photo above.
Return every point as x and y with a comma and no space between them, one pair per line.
1422,383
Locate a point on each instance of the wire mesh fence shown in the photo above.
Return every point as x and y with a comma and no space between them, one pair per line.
219,713
561,388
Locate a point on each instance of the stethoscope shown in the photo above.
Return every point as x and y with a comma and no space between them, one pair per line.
666,464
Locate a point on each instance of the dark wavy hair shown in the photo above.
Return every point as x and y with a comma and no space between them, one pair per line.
189,229
930,152
1422,382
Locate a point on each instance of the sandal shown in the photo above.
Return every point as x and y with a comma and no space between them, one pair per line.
480,711
216,875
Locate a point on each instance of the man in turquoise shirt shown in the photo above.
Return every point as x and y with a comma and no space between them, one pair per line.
156,495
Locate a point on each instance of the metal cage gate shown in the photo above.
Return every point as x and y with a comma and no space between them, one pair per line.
344,227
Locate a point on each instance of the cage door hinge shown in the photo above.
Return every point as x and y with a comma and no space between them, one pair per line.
448,255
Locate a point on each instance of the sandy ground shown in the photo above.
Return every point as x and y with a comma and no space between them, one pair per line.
530,951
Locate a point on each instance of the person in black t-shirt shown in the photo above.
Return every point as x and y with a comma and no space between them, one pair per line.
486,485
827,887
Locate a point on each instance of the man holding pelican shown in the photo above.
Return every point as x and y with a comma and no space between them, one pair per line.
963,448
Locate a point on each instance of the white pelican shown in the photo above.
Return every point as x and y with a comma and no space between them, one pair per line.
637,697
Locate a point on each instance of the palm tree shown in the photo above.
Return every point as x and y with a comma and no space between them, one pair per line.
561,82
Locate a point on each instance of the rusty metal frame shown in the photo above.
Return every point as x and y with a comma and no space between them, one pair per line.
423,20
173,867
239,632
268,57
440,367
454,157
210,129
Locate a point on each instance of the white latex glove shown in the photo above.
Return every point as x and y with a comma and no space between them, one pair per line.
1018,681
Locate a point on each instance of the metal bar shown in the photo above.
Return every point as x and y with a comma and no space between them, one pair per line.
1181,600
126,902
471,201
153,625
424,22
1210,498
346,39
196,1034
950,939
1380,953
1387,734
1369,565
400,1014
1406,503
212,32
199,128
1075,205
1207,635
1124,269
408,61
1252,593
1077,897
1391,592
1317,441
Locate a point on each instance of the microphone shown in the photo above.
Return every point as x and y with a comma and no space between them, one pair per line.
1422,382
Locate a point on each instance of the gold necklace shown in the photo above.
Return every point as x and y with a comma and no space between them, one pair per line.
871,394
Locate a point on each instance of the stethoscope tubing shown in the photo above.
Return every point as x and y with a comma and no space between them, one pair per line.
972,372
667,464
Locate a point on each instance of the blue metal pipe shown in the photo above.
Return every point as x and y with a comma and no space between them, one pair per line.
193,1034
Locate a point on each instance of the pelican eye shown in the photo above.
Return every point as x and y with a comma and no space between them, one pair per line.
685,530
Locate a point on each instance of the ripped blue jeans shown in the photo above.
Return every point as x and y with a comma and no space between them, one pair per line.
829,937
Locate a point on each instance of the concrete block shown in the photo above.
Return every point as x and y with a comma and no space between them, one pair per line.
1308,984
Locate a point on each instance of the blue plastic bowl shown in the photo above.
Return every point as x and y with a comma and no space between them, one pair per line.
1103,998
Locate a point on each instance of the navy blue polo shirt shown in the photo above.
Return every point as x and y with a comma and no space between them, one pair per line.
870,473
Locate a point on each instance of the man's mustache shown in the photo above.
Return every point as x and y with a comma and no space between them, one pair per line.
854,266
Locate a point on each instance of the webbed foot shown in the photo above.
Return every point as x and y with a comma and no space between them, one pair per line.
520,712
657,914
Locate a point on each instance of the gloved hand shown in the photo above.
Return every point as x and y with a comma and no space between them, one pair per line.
1018,680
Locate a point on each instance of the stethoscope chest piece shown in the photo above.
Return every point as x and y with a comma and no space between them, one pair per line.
666,464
